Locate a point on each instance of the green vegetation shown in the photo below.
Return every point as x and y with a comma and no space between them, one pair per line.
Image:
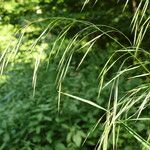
75,75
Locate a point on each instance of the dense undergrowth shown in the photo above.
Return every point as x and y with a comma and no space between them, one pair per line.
68,84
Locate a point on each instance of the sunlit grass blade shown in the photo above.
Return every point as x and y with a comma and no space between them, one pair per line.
84,100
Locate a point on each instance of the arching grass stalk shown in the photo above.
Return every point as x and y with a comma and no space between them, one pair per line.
118,111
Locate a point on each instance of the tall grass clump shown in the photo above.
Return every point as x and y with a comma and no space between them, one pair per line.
128,64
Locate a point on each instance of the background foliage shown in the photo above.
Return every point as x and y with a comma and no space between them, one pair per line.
33,122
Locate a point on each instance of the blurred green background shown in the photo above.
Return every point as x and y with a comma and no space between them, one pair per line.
28,122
